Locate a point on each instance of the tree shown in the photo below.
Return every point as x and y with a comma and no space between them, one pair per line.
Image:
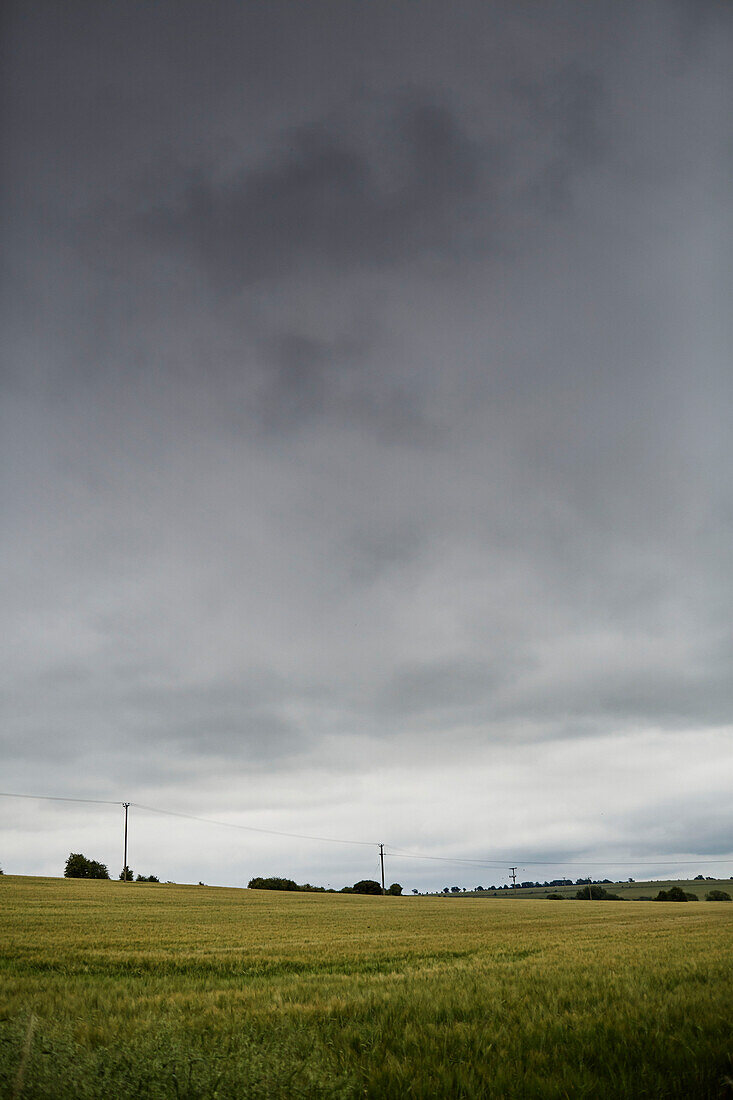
126,875
367,886
78,866
147,878
718,895
395,889
413,889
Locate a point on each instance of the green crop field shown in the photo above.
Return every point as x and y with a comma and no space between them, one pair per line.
628,891
114,990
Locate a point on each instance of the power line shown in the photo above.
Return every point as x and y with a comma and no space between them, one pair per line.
253,828
58,798
398,853
193,817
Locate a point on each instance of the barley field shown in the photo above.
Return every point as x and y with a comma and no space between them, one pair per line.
141,990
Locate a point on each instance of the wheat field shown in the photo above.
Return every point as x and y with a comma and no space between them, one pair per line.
143,990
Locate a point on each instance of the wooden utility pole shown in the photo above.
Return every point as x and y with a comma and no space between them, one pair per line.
513,874
124,862
381,860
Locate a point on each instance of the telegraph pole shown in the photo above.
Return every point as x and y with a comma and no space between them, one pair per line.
124,863
513,875
381,860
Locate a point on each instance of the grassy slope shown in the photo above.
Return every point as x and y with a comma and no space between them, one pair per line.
169,991
629,891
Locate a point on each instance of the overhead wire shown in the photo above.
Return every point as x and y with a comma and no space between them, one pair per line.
59,798
398,853
252,828
192,817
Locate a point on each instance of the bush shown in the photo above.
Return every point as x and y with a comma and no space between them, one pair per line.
272,884
395,889
147,878
367,886
126,875
554,897
78,866
714,895
597,893
284,884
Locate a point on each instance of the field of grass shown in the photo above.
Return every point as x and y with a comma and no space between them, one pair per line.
114,990
628,891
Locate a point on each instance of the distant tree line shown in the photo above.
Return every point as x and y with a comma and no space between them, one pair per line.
364,886
675,893
529,885
577,882
78,866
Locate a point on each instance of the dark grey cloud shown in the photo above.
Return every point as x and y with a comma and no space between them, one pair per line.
365,443
569,120
323,200
386,182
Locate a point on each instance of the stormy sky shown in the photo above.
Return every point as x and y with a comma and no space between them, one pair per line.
366,436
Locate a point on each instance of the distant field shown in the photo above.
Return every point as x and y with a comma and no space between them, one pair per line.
630,891
121,991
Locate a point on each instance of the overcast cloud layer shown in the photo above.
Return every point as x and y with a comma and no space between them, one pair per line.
366,434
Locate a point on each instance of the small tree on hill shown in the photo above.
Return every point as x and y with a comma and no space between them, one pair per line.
715,895
78,866
367,886
395,889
